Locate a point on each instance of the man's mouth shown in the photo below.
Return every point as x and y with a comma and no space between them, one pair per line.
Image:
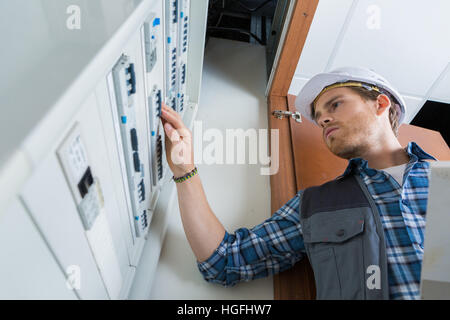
329,131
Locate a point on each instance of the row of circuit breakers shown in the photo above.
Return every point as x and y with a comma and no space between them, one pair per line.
87,195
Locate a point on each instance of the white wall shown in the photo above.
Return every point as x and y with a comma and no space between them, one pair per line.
403,40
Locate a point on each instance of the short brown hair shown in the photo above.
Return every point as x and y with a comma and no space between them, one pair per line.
373,95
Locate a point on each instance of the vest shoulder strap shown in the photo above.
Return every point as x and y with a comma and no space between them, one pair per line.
337,194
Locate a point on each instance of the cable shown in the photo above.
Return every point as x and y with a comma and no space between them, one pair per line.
252,9
238,30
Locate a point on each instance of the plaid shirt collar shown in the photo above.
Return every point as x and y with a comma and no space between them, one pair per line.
416,154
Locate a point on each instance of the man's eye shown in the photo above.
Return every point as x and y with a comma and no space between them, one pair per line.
335,104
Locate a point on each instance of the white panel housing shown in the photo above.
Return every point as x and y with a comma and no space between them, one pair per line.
28,269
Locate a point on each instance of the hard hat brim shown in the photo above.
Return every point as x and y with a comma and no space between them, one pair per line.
317,83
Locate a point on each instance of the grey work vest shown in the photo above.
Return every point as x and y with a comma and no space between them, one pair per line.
344,240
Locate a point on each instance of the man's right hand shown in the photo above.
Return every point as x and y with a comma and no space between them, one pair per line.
203,230
178,142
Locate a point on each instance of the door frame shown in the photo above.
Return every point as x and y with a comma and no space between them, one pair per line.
298,282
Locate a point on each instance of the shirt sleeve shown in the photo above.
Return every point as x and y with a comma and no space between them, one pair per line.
266,249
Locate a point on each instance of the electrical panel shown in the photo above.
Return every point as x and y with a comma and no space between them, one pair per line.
155,98
92,185
124,78
88,196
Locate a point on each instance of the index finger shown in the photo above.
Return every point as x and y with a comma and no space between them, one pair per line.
172,117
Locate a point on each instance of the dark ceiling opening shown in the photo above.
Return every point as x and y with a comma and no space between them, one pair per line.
241,20
435,116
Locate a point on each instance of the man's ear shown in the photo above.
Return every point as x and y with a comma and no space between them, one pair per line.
383,104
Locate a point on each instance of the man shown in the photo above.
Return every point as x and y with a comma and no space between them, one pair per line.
362,232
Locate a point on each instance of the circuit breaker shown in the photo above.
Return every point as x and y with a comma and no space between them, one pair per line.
124,78
151,26
172,21
183,40
156,136
85,188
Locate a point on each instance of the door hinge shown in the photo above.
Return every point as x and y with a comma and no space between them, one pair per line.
280,114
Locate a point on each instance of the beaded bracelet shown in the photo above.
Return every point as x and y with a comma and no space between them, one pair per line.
186,176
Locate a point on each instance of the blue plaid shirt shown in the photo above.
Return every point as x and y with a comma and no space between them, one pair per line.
277,244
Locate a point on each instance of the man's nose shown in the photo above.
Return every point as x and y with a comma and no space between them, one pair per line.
324,120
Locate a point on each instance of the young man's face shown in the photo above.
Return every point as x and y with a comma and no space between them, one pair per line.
349,123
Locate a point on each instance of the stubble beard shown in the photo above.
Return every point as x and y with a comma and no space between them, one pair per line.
349,150
350,142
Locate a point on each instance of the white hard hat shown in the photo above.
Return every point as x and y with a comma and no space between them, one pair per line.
351,76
